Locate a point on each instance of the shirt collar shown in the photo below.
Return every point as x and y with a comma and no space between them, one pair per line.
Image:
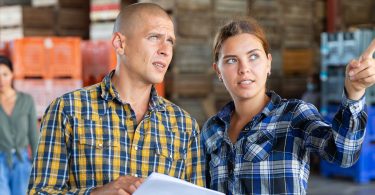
225,113
156,103
109,93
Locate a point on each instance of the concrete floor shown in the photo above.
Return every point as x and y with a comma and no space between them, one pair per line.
319,185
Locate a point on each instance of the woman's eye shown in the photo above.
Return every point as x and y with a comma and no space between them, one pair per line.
231,61
254,56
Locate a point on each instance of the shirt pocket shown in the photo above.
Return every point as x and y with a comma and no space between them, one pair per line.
214,161
258,146
216,171
170,161
93,148
97,144
171,153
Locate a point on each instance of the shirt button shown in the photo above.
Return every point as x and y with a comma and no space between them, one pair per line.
170,156
136,148
135,175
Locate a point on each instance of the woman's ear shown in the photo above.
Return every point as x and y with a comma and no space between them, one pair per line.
269,62
118,43
216,68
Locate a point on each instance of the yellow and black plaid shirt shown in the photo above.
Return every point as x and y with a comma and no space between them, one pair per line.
89,138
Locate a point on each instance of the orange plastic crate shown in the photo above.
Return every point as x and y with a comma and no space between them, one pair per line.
98,59
47,57
64,57
29,58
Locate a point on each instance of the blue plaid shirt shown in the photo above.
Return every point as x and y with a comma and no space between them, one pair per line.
271,155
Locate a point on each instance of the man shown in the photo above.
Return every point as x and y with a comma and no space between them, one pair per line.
105,138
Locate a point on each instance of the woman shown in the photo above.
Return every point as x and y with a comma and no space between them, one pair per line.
18,130
260,143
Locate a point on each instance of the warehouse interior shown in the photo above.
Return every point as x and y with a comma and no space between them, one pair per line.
58,46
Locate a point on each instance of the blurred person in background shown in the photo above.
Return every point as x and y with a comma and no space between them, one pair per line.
18,131
105,138
260,143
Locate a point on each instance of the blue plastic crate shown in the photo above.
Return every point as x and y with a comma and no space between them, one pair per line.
331,110
361,172
370,128
370,95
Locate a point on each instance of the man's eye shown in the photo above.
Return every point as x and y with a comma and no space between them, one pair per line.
171,41
153,37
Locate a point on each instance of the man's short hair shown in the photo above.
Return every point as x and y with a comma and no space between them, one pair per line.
130,15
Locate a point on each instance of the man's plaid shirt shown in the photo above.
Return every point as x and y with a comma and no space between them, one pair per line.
89,138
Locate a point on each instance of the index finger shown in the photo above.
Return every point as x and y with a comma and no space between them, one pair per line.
370,50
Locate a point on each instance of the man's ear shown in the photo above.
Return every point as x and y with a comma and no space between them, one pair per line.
118,43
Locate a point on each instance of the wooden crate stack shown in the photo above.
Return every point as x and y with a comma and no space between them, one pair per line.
17,21
357,13
102,17
168,5
290,28
269,16
71,18
190,71
299,48
14,2
44,18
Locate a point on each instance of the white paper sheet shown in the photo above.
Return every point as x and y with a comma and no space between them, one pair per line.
160,184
